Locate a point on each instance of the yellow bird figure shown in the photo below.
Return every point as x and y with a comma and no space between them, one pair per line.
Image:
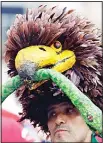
66,43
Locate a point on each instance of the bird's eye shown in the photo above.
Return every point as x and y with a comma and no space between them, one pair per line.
57,44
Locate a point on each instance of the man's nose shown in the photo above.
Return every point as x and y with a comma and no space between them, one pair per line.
60,119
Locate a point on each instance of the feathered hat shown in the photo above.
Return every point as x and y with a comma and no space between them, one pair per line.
49,27
65,42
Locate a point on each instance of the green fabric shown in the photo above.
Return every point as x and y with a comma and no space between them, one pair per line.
81,101
85,106
10,86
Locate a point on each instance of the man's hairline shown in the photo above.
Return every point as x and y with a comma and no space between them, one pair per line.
56,104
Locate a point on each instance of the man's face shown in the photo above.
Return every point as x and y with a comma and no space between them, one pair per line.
66,124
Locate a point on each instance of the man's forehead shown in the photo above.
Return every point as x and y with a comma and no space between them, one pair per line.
58,105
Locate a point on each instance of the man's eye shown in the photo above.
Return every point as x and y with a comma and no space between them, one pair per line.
68,111
51,115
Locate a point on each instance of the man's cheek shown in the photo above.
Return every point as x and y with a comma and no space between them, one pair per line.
50,127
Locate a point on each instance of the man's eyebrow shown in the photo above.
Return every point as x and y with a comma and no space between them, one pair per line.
50,109
54,106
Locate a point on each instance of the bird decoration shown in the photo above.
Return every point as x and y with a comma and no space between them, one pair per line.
62,42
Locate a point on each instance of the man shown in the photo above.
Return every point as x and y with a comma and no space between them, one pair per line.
56,115
66,124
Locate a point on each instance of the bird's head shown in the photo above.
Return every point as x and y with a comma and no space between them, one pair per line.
32,58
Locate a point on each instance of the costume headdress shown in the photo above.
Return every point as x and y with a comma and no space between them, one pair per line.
63,42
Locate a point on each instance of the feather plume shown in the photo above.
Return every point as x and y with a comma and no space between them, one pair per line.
42,26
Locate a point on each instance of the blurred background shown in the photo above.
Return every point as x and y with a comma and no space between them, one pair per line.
90,10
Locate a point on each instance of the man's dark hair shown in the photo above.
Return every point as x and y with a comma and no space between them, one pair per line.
36,102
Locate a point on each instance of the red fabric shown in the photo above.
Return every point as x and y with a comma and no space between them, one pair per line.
11,129
99,139
9,115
